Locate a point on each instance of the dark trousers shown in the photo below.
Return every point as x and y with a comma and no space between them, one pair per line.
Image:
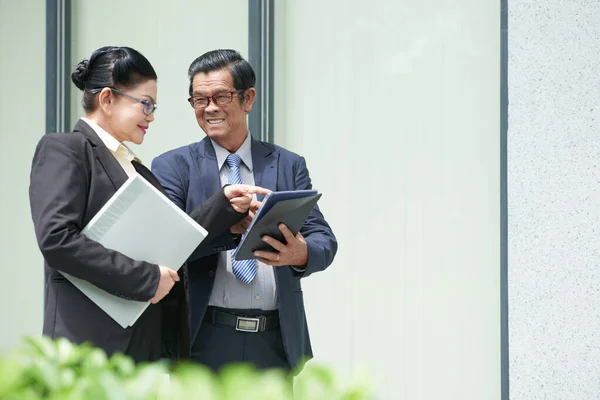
145,343
216,346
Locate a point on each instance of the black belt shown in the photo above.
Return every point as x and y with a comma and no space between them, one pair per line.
241,323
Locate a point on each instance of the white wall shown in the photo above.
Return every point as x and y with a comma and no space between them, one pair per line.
171,35
554,199
22,124
396,105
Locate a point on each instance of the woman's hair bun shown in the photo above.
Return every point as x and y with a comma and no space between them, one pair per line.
80,75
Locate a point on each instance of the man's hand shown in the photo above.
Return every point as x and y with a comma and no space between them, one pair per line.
242,226
240,196
168,277
295,252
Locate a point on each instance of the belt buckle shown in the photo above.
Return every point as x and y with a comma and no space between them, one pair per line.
245,324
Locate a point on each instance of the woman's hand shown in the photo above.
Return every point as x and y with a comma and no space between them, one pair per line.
240,196
168,277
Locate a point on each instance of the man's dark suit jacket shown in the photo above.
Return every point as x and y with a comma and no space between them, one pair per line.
73,175
190,175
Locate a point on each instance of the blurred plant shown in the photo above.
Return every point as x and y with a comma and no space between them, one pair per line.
60,370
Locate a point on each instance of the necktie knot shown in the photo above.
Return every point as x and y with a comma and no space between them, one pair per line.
233,160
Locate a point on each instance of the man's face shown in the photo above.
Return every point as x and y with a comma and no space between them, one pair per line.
226,123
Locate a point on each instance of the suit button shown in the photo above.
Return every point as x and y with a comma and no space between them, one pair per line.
211,274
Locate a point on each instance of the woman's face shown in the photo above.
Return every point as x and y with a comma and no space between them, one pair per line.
126,118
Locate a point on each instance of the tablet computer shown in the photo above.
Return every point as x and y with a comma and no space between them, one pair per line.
287,207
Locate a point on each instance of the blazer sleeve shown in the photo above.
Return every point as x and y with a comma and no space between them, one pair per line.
216,214
321,242
58,193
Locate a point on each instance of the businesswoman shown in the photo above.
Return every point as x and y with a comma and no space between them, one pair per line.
73,175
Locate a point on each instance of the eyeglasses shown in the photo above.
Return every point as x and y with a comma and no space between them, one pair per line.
219,99
149,107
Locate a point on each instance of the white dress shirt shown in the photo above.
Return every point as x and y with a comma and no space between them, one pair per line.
122,153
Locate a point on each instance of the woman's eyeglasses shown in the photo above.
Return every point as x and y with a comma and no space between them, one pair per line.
149,107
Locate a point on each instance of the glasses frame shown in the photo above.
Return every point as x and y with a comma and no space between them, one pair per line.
149,107
214,100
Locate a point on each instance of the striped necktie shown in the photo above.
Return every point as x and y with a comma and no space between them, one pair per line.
244,270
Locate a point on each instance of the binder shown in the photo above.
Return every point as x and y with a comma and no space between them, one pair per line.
288,207
142,223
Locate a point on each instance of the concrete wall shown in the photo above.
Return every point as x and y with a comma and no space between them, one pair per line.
554,199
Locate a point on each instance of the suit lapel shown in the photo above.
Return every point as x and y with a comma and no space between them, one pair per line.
264,165
149,176
208,178
110,164
264,161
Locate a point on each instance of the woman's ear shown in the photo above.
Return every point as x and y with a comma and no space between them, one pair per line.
105,100
249,97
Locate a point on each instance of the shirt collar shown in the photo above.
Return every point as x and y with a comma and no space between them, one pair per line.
245,153
110,142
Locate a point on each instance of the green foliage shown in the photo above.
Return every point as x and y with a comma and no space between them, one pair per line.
59,370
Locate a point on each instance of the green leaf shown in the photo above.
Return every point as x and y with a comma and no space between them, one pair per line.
95,360
244,381
188,378
274,385
101,386
23,394
41,346
44,375
237,382
150,382
360,388
60,370
122,365
315,382
112,387
66,352
11,375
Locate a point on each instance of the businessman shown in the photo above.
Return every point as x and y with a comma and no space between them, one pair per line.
243,311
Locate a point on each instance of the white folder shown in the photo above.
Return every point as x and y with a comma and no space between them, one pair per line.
139,222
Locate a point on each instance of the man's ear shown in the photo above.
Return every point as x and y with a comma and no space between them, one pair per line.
249,97
105,100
